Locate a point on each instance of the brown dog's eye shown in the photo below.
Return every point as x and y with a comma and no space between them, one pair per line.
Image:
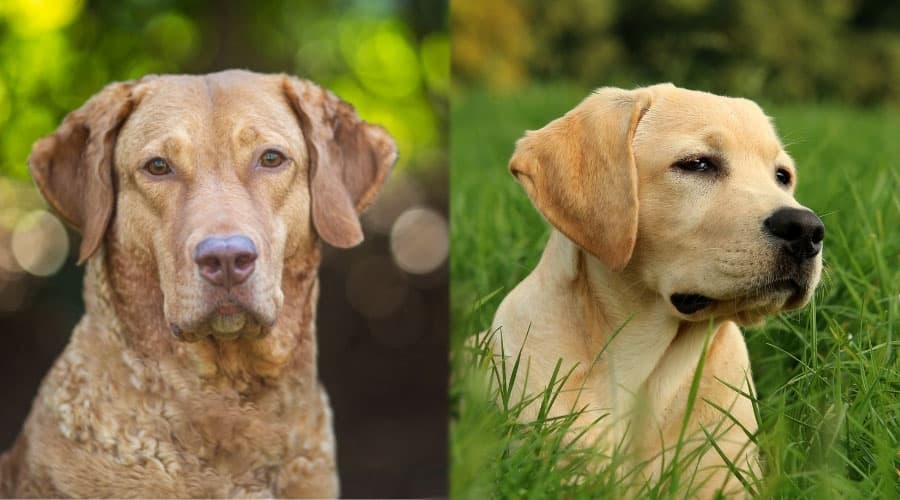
271,159
783,177
158,166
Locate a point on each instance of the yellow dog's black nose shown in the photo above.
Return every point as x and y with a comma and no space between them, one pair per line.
799,230
226,261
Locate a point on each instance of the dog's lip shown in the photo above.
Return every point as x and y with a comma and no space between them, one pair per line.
779,285
229,308
233,312
229,311
690,303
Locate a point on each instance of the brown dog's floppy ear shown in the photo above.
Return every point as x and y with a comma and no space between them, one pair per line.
579,172
73,166
349,160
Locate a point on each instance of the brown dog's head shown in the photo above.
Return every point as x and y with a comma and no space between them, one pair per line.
214,181
689,191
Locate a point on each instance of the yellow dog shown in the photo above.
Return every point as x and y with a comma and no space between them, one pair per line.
674,216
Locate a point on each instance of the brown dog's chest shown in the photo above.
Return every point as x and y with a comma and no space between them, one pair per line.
119,414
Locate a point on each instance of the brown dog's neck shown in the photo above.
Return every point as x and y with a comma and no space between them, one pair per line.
124,303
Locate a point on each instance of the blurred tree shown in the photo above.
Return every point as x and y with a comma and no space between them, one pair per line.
491,42
390,58
845,50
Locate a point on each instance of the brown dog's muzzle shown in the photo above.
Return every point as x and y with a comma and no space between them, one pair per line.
226,261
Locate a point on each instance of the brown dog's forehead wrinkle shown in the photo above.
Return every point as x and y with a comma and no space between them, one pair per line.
210,127
173,121
173,146
247,136
249,114
251,125
259,99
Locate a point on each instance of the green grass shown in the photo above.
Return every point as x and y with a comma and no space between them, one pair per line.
827,377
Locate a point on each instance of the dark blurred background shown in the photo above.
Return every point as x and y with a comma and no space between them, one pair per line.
837,50
383,306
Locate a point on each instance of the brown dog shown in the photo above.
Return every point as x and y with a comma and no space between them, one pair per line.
201,201
674,218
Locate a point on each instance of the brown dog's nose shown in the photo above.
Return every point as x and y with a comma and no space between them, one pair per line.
226,261
800,230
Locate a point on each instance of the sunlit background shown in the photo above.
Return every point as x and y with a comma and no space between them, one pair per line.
828,73
835,50
383,306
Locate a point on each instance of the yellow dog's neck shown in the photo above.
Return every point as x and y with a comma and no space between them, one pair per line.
627,329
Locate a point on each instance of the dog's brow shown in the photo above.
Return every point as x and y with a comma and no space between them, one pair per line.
172,146
781,158
716,140
248,135
700,149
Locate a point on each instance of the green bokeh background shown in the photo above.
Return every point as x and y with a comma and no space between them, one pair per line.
389,58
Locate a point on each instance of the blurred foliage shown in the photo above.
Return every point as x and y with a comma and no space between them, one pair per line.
489,42
390,58
839,50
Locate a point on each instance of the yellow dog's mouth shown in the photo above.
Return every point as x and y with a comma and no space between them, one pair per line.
690,303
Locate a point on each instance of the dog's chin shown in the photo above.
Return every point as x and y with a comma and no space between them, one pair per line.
227,321
747,307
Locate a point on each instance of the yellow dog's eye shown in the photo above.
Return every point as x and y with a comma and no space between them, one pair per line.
271,159
158,166
783,176
701,164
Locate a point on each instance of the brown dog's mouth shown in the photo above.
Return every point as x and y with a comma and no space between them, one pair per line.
228,325
227,321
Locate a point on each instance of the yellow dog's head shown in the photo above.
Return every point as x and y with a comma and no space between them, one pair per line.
689,192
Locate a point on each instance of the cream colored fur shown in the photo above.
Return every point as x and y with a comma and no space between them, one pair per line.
630,230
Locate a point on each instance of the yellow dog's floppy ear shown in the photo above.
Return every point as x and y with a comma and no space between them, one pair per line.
579,172
349,160
73,167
